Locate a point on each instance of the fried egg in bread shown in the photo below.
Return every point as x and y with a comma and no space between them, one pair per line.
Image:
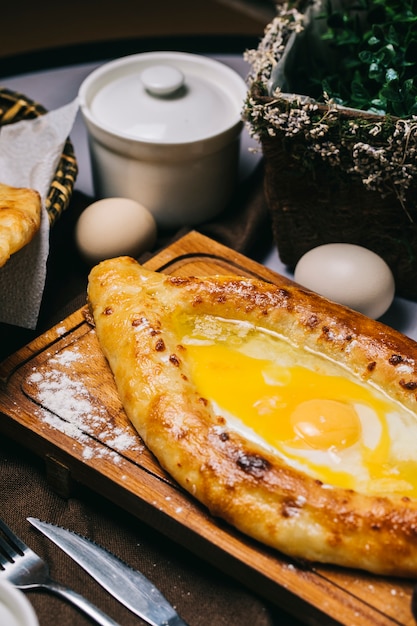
307,409
288,416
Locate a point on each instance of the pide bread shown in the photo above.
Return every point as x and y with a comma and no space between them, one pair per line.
20,218
288,416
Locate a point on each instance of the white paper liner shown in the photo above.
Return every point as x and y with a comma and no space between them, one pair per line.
30,151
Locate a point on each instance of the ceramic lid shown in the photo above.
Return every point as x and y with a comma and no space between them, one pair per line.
164,97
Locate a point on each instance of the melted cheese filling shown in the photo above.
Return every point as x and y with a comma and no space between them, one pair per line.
302,406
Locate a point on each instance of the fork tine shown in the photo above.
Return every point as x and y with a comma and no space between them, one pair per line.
6,548
4,553
18,543
8,551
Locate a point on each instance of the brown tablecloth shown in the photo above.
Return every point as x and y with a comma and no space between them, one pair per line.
202,594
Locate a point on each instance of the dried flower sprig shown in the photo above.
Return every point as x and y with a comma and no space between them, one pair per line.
263,59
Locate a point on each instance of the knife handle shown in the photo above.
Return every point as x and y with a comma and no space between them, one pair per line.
81,603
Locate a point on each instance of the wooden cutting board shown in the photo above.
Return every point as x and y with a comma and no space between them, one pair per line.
58,399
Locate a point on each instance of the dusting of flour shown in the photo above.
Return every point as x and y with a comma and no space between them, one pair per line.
68,407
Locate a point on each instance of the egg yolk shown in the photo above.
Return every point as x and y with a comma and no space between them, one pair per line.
314,418
325,423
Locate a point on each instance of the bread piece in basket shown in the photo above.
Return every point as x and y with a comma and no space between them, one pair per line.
20,219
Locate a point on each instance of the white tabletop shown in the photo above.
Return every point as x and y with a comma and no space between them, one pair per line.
56,87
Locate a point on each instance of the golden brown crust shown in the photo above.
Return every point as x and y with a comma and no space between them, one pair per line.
235,478
20,219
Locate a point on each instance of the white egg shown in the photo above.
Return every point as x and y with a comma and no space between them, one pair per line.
114,227
350,275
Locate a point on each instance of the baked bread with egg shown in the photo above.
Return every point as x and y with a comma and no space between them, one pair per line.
202,364
20,218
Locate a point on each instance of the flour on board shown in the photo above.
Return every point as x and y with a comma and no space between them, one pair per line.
68,407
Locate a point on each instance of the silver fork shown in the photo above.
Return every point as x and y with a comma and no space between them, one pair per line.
26,570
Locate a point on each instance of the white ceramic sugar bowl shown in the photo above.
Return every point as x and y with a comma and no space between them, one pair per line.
164,129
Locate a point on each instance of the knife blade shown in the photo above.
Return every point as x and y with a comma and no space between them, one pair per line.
130,587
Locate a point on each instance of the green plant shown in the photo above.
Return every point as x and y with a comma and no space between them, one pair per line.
375,46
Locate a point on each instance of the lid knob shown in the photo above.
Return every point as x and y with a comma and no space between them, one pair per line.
162,80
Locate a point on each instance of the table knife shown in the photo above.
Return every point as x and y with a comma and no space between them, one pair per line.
128,586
